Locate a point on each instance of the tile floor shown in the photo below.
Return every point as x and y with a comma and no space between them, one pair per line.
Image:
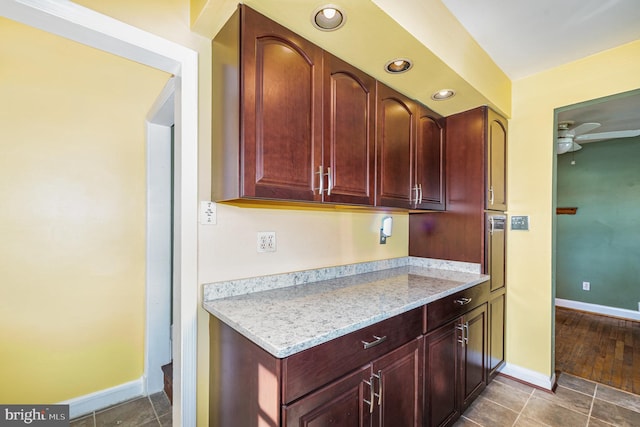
577,402
504,403
154,410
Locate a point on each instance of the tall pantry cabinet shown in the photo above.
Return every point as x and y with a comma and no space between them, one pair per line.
473,227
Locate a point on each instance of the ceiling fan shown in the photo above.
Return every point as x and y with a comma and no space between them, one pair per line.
569,137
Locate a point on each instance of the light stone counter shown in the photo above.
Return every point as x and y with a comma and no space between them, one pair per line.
287,320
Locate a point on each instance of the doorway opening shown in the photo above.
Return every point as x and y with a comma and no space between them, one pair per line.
159,243
596,238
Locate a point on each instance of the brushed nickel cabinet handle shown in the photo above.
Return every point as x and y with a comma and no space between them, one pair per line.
320,181
463,301
371,400
378,340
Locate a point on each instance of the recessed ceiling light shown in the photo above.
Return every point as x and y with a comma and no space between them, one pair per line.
398,65
328,18
443,94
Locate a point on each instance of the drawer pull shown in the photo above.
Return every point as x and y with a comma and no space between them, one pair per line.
463,301
379,340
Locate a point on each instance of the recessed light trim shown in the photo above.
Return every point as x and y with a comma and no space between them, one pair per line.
443,94
328,18
398,65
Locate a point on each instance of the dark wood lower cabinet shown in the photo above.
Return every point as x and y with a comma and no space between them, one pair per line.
428,368
387,392
496,317
455,366
341,403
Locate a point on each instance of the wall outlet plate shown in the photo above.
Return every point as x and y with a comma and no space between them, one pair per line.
520,222
266,241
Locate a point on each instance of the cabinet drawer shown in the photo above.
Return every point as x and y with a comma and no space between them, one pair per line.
306,371
441,311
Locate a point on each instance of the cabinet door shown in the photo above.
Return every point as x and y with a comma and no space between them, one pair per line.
496,333
281,111
496,162
429,160
395,129
441,374
349,132
340,403
399,378
474,355
495,250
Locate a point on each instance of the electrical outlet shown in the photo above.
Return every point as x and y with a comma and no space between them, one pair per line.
208,214
266,241
586,286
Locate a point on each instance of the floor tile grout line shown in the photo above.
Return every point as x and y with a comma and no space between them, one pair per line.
593,400
153,408
522,409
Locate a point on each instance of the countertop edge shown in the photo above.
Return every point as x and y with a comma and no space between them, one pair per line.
282,352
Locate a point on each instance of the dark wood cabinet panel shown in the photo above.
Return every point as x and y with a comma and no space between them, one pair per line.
395,128
400,377
474,368
281,110
459,233
496,313
496,247
429,160
340,403
455,365
309,369
442,375
244,380
349,132
496,162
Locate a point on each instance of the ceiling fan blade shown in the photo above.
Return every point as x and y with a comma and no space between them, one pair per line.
608,135
575,147
584,128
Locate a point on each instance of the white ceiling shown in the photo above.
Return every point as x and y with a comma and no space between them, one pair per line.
524,37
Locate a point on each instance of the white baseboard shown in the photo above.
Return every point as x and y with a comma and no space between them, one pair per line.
532,377
599,309
82,405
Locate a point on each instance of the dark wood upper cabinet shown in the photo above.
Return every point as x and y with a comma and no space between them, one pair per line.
410,139
293,122
281,111
395,127
267,111
349,133
459,233
496,169
429,160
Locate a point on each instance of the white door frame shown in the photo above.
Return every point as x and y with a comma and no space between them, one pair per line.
157,350
88,27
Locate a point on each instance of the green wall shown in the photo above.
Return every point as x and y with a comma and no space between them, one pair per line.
601,243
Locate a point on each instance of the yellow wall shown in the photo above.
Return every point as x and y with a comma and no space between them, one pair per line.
531,166
306,239
72,185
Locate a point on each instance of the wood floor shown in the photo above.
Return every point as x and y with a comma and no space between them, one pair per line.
598,348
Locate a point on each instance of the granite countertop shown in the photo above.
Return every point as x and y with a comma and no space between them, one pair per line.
288,320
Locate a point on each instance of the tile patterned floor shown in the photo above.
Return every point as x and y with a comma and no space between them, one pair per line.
504,403
154,410
577,402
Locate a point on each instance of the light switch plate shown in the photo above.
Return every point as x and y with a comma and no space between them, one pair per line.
208,214
520,222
